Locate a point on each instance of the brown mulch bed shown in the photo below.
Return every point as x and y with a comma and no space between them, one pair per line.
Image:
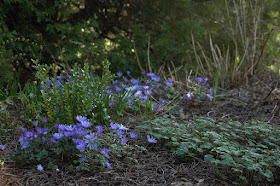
258,99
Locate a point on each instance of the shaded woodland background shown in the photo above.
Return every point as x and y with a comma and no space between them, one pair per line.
237,37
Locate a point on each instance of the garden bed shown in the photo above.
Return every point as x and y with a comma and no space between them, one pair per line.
257,99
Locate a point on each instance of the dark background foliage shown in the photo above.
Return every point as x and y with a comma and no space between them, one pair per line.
127,33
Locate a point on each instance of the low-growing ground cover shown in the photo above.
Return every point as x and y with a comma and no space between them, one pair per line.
122,130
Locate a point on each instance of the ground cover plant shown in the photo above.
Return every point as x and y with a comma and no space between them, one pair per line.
248,152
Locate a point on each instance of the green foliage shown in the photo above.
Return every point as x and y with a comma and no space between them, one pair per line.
114,30
250,150
81,93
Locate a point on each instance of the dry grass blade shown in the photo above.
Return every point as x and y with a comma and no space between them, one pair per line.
200,65
137,57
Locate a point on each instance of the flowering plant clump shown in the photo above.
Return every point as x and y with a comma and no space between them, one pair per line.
75,119
101,99
77,143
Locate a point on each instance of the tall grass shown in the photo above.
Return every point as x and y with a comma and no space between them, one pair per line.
241,60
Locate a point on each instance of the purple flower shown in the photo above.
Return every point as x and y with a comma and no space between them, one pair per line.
56,125
150,74
123,140
57,85
209,96
68,76
83,158
45,119
35,122
143,73
104,151
22,138
130,101
118,89
151,139
81,118
148,92
62,127
125,79
138,94
79,125
119,74
99,130
162,101
79,132
77,141
111,104
115,82
67,133
44,139
133,135
81,146
23,129
36,135
207,85
40,168
2,147
120,132
59,77
29,134
110,92
169,82
53,140
90,140
189,95
49,81
124,85
128,72
134,81
46,130
86,124
24,145
212,91
156,78
57,136
92,75
42,86
70,127
144,97
108,164
198,79
205,79
114,126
